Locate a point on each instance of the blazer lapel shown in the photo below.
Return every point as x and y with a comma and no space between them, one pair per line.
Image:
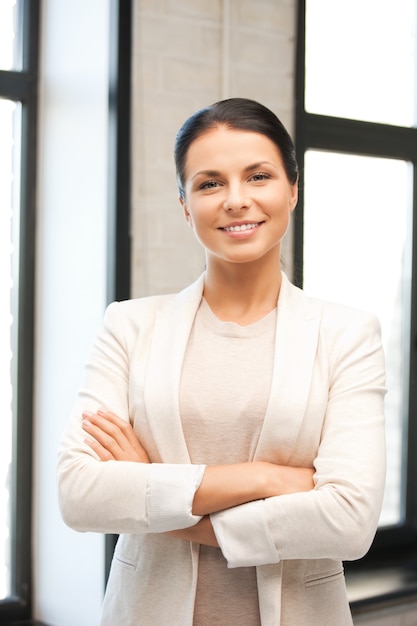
162,381
296,338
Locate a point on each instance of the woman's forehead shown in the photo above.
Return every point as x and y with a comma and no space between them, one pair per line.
222,143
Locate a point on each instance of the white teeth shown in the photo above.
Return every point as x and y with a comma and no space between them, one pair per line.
241,227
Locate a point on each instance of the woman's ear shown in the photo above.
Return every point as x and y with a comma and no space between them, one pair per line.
294,197
186,213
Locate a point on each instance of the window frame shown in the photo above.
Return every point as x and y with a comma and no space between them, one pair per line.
394,551
22,86
119,239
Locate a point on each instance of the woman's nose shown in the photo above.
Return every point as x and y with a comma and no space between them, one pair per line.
236,199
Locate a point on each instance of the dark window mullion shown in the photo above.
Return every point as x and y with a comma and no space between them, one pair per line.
24,391
298,223
411,492
15,85
366,138
31,35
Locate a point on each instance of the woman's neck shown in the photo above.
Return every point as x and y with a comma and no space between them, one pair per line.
242,292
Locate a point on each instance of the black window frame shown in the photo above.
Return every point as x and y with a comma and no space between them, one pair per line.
393,555
119,191
22,86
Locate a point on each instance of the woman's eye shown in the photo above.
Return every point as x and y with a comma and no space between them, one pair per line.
259,176
209,184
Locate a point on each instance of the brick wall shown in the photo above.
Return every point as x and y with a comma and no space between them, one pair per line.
187,54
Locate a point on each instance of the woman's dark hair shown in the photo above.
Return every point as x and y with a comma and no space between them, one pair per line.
240,114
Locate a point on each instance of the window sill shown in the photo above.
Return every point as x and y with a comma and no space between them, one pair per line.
23,623
381,585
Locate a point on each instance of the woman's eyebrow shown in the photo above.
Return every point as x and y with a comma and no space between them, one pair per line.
255,166
248,168
206,173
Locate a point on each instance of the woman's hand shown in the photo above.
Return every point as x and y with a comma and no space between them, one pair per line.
112,438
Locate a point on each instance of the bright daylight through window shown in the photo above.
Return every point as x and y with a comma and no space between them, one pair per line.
340,267
358,235
9,239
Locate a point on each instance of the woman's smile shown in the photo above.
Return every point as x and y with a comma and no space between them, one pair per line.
241,230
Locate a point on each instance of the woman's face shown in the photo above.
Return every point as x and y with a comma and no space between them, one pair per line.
237,197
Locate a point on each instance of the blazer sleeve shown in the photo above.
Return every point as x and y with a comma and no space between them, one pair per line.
118,496
339,517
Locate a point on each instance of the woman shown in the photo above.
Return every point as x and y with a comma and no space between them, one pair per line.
232,434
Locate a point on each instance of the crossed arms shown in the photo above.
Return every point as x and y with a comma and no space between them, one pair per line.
222,486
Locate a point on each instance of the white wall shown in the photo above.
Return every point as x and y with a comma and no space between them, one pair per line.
70,287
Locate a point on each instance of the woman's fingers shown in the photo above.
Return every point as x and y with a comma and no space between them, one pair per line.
113,438
122,429
105,437
101,451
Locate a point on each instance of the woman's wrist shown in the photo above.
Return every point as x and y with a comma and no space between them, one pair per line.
269,479
225,486
283,479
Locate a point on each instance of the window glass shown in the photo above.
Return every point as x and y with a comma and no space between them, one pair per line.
9,252
10,35
361,60
357,251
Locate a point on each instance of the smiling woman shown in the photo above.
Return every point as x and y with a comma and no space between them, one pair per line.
233,433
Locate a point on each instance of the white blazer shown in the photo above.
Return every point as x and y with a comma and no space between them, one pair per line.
325,411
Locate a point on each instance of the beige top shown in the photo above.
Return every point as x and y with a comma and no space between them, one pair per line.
225,386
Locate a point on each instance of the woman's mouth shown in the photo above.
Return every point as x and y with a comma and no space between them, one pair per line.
237,228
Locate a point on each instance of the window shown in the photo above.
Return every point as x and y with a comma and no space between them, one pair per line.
355,227
18,77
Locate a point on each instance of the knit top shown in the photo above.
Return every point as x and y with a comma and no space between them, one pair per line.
225,385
